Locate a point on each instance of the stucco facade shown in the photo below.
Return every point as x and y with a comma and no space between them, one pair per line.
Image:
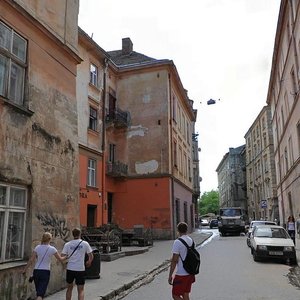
91,91
232,178
260,168
283,97
155,145
38,134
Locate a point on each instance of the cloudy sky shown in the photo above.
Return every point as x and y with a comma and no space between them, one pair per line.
222,50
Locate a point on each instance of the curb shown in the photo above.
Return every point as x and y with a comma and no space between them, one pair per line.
146,278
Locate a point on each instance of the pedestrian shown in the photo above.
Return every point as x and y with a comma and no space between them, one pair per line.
291,228
42,255
182,281
75,251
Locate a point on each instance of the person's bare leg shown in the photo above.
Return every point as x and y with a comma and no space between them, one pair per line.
177,297
39,298
186,296
69,291
80,290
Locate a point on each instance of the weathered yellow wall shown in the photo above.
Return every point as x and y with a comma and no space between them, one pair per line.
40,150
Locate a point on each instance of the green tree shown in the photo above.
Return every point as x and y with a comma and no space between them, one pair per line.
209,202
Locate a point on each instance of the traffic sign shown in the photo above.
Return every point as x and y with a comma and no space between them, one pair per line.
263,204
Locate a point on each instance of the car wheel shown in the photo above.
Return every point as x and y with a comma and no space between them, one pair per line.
248,243
292,261
255,258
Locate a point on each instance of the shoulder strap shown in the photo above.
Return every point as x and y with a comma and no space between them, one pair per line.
43,257
75,248
185,244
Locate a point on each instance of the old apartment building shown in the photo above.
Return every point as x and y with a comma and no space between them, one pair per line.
260,169
38,134
91,93
138,154
149,132
232,178
283,97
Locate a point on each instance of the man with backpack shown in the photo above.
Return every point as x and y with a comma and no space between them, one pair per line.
187,260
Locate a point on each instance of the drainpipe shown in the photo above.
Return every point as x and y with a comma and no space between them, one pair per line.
280,175
104,203
172,160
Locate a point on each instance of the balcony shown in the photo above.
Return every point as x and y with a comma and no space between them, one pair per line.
118,118
116,169
195,137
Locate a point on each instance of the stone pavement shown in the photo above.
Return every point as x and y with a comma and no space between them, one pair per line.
119,277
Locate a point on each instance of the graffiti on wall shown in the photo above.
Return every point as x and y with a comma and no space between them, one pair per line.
55,225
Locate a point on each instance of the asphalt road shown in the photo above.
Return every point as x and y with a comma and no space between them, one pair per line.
228,272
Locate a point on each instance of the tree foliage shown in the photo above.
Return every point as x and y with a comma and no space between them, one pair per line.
209,202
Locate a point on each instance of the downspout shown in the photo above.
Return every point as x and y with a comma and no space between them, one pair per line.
280,175
104,200
172,161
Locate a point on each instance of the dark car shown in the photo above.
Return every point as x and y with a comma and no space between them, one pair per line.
213,223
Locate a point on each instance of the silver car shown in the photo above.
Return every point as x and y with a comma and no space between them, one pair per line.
272,242
255,223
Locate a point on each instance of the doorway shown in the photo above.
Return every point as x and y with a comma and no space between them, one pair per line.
91,215
110,207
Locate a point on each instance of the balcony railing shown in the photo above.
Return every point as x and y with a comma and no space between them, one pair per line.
119,118
116,169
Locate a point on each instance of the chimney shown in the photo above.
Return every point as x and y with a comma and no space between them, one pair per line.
127,46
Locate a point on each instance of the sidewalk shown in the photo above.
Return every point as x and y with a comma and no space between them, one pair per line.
119,277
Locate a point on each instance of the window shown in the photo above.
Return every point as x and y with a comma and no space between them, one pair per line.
298,136
185,212
13,203
175,153
112,153
291,152
174,108
92,172
93,75
13,51
93,119
286,160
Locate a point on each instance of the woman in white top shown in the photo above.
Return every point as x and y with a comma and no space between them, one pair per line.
291,227
42,255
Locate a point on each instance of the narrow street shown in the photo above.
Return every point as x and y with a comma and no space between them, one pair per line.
228,272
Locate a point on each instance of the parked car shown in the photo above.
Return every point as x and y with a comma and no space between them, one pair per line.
255,223
272,241
213,223
204,222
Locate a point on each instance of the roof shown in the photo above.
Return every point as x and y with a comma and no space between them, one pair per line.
133,58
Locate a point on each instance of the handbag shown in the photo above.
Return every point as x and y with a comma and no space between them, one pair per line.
31,278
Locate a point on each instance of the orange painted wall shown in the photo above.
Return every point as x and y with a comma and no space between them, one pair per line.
90,195
141,201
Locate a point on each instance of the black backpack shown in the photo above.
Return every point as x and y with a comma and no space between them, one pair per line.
192,260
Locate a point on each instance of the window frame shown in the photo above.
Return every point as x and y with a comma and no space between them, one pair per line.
6,209
13,61
93,119
93,75
92,173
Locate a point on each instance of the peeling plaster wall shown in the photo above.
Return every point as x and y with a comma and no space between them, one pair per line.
146,167
147,100
39,151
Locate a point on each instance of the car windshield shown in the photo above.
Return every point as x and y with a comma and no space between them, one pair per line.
255,223
231,212
270,232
